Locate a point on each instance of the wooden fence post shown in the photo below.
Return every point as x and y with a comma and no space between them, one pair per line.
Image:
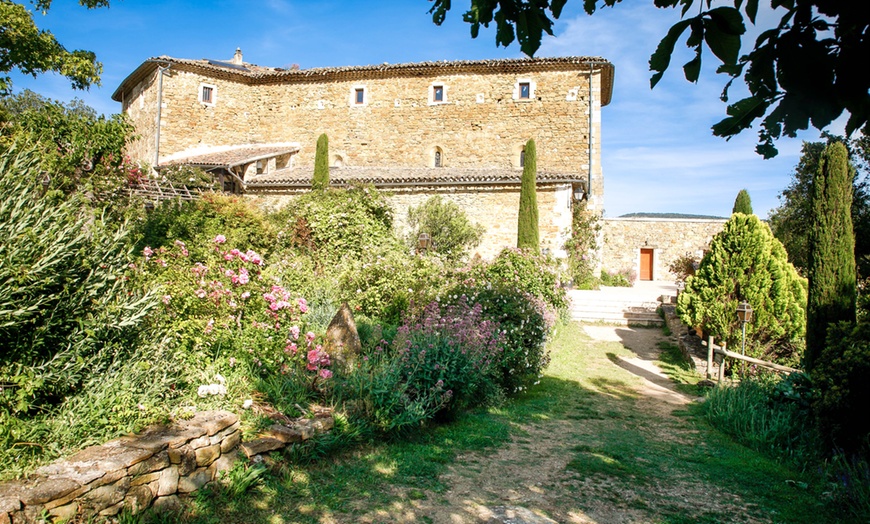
722,364
709,356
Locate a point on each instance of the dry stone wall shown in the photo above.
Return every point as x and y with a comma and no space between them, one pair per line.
153,468
623,238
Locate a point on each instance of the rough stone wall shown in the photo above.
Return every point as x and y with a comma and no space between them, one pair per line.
134,472
623,239
479,124
496,208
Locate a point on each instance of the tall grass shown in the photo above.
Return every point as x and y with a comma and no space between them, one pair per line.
748,412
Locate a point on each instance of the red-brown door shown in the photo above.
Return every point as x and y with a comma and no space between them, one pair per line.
646,264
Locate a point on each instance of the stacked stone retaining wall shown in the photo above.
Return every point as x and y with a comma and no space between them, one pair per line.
150,469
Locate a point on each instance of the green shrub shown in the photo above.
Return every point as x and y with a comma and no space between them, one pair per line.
624,278
189,177
447,225
745,262
385,282
66,310
443,361
238,219
526,271
842,388
683,267
581,247
527,222
338,224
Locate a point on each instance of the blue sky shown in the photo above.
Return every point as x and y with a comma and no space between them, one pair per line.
658,153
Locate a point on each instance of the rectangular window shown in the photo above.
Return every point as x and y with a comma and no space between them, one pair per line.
525,90
438,94
359,96
207,95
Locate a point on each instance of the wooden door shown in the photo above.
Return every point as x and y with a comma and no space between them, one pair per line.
646,264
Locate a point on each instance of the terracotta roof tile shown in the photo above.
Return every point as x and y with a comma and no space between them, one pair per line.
402,176
231,157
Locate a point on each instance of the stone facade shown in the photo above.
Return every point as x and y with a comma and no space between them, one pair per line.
623,239
385,116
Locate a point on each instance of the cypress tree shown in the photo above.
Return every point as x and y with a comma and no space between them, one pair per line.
831,271
742,204
527,225
321,164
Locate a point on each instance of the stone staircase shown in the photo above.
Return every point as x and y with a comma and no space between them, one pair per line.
634,306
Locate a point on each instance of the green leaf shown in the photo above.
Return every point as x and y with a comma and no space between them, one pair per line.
556,7
661,58
724,44
692,68
741,115
752,10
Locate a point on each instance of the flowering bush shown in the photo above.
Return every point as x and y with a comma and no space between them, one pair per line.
525,321
225,311
444,361
526,271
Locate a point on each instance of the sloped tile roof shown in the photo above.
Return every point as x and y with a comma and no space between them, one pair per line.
254,74
231,157
406,177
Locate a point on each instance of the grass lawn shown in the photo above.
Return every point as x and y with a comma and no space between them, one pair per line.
582,446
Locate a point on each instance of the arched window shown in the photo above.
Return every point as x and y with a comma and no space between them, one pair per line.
523,157
437,158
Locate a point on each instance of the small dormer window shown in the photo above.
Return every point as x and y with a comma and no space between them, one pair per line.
207,94
261,167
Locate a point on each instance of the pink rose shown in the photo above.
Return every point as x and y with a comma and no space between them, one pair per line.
303,305
294,332
310,336
220,239
325,373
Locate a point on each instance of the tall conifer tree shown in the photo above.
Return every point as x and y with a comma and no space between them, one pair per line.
831,271
321,164
527,225
742,204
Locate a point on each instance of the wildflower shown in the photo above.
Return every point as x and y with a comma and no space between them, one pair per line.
303,305
160,262
291,348
147,252
294,332
200,293
246,295
166,299
244,278
220,239
325,373
232,361
310,336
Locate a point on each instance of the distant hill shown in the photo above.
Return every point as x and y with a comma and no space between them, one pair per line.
669,215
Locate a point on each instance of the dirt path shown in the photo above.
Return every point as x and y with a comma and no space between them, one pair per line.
555,469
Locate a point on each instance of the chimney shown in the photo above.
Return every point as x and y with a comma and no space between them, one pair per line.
237,58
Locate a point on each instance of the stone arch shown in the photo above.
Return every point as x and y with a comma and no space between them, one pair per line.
437,157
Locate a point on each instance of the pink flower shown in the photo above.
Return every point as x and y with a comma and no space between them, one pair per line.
244,278
220,239
254,258
229,273
274,306
200,293
228,256
325,373
147,252
294,332
199,269
303,305
160,262
246,295
235,252
310,336
166,299
291,348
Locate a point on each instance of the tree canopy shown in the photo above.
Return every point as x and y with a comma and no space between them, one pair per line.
791,221
23,46
807,69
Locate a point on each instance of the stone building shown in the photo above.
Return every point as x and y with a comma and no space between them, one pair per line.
452,128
